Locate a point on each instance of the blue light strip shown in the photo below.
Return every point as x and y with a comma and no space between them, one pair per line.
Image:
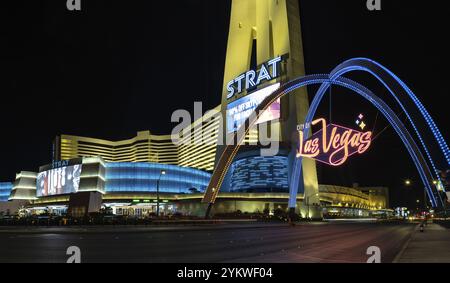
356,65
436,132
402,132
5,190
339,72
143,177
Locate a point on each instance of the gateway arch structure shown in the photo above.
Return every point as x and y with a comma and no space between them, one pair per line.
420,155
261,30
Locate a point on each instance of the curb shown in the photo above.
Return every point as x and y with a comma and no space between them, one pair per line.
405,245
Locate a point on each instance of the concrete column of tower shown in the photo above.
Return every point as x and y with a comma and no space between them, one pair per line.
275,27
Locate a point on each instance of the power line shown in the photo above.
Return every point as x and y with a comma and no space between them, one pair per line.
385,128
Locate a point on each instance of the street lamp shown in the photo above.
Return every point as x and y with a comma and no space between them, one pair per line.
162,172
407,182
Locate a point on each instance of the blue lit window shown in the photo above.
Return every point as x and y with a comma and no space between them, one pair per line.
261,173
142,177
5,190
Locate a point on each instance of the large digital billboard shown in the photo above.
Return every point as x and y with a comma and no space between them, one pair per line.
58,181
239,110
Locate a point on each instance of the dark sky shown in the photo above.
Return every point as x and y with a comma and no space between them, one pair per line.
118,67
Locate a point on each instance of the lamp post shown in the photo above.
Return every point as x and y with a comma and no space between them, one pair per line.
425,203
163,172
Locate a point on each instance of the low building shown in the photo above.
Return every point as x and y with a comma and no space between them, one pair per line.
84,185
19,194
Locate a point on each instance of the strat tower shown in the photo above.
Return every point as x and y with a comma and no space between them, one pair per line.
264,51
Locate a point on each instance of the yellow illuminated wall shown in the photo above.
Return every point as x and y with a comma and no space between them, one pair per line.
24,187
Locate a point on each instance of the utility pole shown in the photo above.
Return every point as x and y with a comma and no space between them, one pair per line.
163,172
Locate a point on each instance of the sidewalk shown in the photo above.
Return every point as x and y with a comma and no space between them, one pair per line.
430,246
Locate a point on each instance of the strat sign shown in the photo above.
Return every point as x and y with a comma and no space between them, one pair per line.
333,144
268,71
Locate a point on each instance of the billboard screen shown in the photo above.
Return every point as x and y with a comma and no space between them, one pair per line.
238,111
58,181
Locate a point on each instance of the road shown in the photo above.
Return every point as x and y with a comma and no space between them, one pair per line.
323,242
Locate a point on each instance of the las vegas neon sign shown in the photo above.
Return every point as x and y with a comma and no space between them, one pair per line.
333,144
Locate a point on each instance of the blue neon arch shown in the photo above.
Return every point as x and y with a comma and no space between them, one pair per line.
335,78
414,151
391,82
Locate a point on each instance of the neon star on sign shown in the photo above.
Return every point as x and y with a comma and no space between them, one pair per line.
333,144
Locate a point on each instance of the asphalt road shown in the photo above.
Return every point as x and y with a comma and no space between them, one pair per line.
324,242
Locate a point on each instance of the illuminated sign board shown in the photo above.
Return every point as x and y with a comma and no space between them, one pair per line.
63,180
250,79
333,144
60,163
239,110
59,177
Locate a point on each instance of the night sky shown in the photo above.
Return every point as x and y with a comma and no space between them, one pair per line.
118,67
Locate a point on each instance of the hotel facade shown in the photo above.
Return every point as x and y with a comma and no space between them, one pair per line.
146,147
137,175
125,176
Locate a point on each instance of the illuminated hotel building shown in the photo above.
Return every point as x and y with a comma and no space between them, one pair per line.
146,147
133,188
264,50
126,175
